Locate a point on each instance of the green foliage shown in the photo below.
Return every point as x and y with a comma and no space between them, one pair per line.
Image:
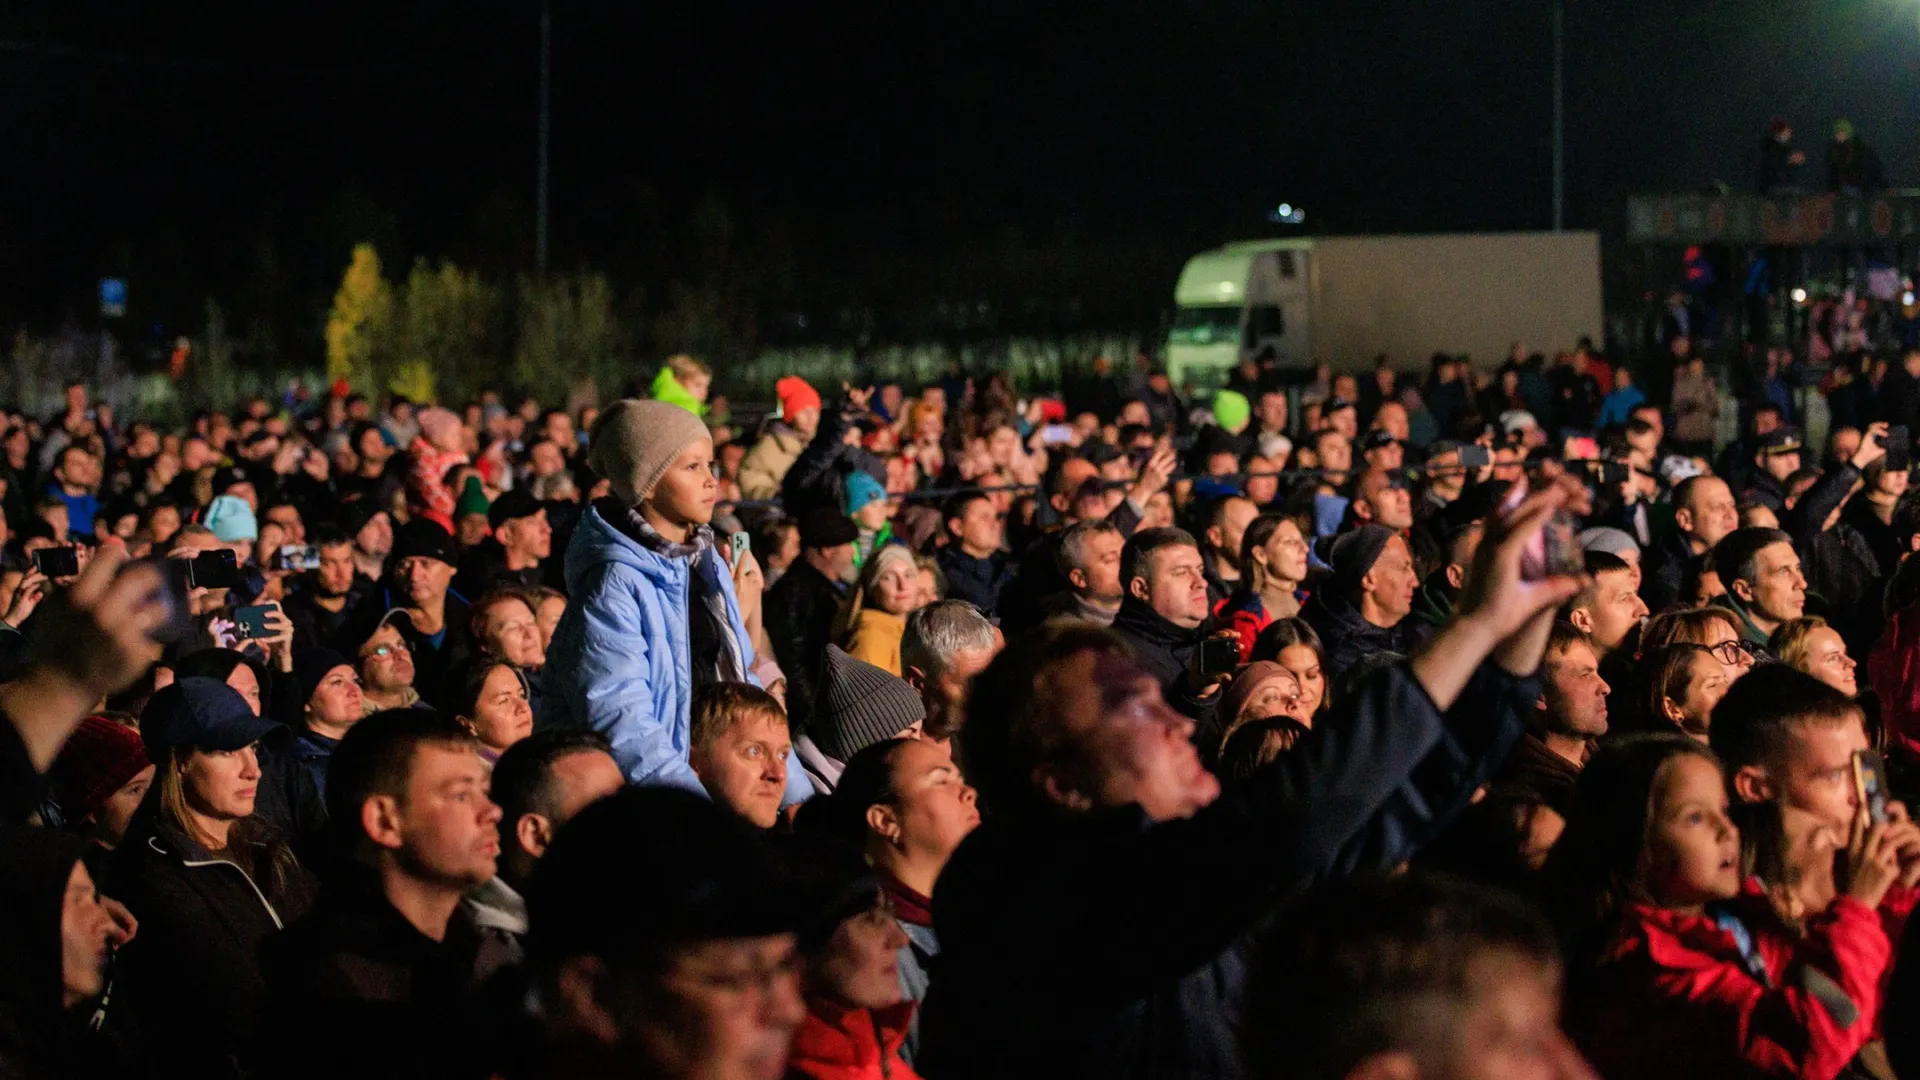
570,340
449,327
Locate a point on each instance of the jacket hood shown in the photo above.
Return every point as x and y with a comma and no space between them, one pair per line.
1748,630
33,895
597,540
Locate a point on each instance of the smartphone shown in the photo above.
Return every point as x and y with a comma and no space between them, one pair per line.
1556,550
1056,434
297,557
215,569
738,544
1870,783
1218,655
1899,449
173,593
250,623
57,562
1475,456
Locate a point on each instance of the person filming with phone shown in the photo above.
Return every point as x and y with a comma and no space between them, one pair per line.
1164,617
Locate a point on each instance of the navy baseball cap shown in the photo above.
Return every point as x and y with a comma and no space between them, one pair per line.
203,714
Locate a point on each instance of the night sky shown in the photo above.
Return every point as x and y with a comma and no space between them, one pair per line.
190,145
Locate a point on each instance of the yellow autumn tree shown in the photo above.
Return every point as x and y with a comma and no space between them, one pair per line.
359,328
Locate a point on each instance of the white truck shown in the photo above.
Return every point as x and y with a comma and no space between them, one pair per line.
1343,300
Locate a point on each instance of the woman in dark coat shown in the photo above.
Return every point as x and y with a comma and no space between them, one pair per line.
207,879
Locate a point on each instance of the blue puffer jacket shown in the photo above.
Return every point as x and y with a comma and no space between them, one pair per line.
621,661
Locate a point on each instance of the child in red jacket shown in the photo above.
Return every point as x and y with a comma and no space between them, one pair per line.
1679,968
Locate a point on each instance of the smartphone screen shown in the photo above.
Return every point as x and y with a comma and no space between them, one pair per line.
1870,783
57,562
213,570
1899,449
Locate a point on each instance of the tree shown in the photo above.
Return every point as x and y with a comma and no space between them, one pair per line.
360,326
569,338
449,329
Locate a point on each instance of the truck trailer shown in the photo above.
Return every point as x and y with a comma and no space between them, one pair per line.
1344,300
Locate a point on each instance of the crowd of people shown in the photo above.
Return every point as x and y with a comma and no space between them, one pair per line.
1490,723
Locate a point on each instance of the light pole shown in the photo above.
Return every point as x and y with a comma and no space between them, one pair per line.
540,187
1559,115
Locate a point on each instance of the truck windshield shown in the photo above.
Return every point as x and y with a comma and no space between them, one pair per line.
1205,326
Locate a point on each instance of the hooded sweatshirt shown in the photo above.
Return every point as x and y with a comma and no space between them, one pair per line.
37,1036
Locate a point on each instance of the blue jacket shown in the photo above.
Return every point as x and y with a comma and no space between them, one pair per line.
621,661
81,509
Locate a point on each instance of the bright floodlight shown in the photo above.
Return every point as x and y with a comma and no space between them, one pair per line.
1799,296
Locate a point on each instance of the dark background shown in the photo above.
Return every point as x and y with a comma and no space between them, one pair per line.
889,156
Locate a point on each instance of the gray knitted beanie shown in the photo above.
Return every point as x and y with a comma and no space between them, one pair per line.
859,705
633,443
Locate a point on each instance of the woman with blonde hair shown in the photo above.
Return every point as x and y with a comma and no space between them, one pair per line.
1810,646
874,617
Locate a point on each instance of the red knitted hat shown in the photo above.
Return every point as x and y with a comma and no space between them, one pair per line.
97,761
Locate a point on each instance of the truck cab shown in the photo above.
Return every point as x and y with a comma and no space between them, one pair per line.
1236,302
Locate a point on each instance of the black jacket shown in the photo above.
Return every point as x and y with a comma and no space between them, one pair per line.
1167,652
1129,939
799,613
818,477
1663,570
313,625
191,975
1841,569
1349,638
977,581
388,1000
432,659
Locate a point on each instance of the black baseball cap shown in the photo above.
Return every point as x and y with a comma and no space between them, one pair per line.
204,714
512,506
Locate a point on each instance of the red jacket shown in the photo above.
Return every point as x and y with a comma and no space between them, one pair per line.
1676,997
1893,670
857,1044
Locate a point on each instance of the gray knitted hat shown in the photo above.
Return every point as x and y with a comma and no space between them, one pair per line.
634,442
859,705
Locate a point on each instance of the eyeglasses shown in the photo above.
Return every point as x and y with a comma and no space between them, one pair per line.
1732,652
384,651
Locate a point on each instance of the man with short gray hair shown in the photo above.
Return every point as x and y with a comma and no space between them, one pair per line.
946,644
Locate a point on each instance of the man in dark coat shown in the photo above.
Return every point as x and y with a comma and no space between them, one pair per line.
1138,881
974,562
1164,618
1703,514
1569,715
1363,607
516,556
800,607
1839,562
386,962
438,627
